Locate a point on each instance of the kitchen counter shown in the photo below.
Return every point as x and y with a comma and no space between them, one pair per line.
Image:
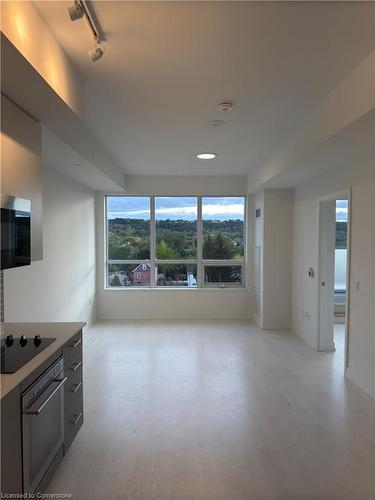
61,331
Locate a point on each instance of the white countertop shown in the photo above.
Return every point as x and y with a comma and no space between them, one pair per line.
62,332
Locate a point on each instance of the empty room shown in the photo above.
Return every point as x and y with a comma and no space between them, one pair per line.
187,281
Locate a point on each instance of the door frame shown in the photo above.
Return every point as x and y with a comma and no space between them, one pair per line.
343,194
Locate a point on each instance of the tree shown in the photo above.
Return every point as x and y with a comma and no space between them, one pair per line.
115,281
176,239
163,251
218,247
208,247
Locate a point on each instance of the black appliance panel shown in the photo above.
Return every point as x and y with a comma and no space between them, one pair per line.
15,233
17,351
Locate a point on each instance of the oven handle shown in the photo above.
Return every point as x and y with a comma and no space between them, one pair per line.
38,410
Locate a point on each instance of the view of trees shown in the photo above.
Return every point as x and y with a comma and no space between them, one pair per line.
175,239
222,274
176,275
341,234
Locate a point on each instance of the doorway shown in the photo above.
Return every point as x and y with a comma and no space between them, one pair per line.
334,230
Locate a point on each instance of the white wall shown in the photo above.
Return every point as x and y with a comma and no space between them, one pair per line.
277,256
20,145
181,303
173,304
26,29
193,185
361,178
61,287
258,259
273,238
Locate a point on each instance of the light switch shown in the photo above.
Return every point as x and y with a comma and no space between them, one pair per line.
357,285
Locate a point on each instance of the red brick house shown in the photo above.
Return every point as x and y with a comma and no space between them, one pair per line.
141,275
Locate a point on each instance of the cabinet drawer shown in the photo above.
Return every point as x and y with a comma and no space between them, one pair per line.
73,347
73,420
73,386
73,363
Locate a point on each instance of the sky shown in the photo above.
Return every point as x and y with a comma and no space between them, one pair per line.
174,208
341,210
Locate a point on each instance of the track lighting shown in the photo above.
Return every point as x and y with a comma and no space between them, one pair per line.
75,11
96,53
80,9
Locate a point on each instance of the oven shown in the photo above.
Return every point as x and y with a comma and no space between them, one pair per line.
42,425
15,232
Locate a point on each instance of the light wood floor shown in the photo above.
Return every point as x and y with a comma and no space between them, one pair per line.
216,410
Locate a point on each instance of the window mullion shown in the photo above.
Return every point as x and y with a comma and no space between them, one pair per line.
106,256
199,243
152,241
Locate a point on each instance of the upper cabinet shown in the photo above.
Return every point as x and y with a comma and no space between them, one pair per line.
21,171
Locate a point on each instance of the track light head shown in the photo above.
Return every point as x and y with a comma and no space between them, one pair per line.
96,53
75,11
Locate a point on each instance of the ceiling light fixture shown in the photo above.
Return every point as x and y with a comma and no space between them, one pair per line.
206,156
78,10
96,53
75,11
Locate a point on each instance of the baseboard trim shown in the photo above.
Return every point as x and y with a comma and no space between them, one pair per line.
350,379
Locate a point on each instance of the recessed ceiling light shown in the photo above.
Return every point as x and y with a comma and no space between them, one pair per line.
206,156
79,165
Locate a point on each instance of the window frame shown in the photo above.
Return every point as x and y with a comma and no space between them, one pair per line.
198,261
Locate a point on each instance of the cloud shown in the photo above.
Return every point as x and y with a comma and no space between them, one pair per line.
341,214
219,211
235,209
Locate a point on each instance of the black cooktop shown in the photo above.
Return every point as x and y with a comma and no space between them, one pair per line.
17,351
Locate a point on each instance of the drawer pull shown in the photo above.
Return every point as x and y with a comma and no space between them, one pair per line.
77,387
76,366
75,422
76,344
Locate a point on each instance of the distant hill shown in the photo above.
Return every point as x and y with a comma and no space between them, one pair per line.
175,239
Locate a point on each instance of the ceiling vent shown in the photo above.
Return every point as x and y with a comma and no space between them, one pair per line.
216,123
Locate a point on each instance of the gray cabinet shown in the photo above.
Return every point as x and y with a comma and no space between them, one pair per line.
11,417
73,398
11,446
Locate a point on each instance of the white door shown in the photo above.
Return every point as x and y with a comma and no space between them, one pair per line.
327,234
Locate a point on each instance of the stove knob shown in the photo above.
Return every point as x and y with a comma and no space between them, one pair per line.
9,340
23,340
37,340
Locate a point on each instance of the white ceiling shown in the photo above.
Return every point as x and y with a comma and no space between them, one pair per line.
166,65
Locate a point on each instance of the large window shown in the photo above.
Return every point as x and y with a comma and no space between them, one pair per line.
176,227
175,241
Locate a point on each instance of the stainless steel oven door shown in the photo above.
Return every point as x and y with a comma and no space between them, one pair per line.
42,428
